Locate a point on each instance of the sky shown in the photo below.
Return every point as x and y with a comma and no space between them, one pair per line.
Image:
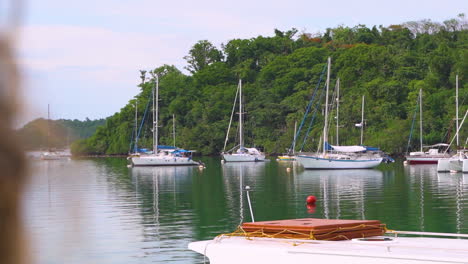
83,57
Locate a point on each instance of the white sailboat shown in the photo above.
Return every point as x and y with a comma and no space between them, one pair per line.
432,155
49,154
161,156
292,151
242,154
459,161
339,157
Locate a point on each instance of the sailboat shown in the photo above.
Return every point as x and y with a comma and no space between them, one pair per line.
459,161
161,155
340,157
291,152
49,154
433,155
242,154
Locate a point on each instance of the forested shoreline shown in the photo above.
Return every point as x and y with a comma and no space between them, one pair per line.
388,65
56,134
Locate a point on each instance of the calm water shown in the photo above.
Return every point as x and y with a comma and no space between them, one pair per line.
100,211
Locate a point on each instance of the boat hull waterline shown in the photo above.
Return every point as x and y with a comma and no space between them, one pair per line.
286,158
310,162
162,161
243,157
425,159
422,161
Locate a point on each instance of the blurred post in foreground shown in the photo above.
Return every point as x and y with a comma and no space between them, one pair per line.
12,162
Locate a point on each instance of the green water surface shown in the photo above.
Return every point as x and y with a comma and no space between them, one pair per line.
100,211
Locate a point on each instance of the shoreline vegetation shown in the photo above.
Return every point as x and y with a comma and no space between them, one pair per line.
42,134
388,65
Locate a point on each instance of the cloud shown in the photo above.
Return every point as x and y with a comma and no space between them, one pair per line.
84,56
88,67
51,47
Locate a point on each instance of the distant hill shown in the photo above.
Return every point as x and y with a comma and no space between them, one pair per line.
61,132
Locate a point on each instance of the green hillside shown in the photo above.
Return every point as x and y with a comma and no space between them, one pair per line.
62,132
386,64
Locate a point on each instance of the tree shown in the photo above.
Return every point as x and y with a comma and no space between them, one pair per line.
201,55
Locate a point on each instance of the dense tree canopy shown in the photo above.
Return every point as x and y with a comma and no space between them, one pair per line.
388,65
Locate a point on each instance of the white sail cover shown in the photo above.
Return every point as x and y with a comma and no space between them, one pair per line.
348,148
252,151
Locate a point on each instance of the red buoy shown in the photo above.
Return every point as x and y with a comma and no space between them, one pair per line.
311,199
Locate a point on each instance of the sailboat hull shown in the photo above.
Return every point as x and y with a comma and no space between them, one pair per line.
448,165
243,157
424,160
167,160
286,158
313,162
53,156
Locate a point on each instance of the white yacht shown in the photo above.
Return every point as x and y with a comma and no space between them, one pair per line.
242,154
459,161
434,152
340,157
161,156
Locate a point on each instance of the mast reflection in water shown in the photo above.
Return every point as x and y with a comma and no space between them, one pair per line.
100,211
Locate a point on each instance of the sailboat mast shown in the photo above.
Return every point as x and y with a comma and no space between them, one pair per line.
456,105
294,140
173,128
48,126
362,120
325,128
136,126
420,120
155,114
241,132
337,109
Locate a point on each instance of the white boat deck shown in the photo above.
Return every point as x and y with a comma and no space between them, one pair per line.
271,250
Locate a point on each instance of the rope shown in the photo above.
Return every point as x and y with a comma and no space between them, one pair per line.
230,120
412,125
317,107
309,105
140,128
307,235
446,135
137,132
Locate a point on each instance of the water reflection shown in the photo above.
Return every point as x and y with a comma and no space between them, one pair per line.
237,175
100,211
456,183
437,194
167,223
341,193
